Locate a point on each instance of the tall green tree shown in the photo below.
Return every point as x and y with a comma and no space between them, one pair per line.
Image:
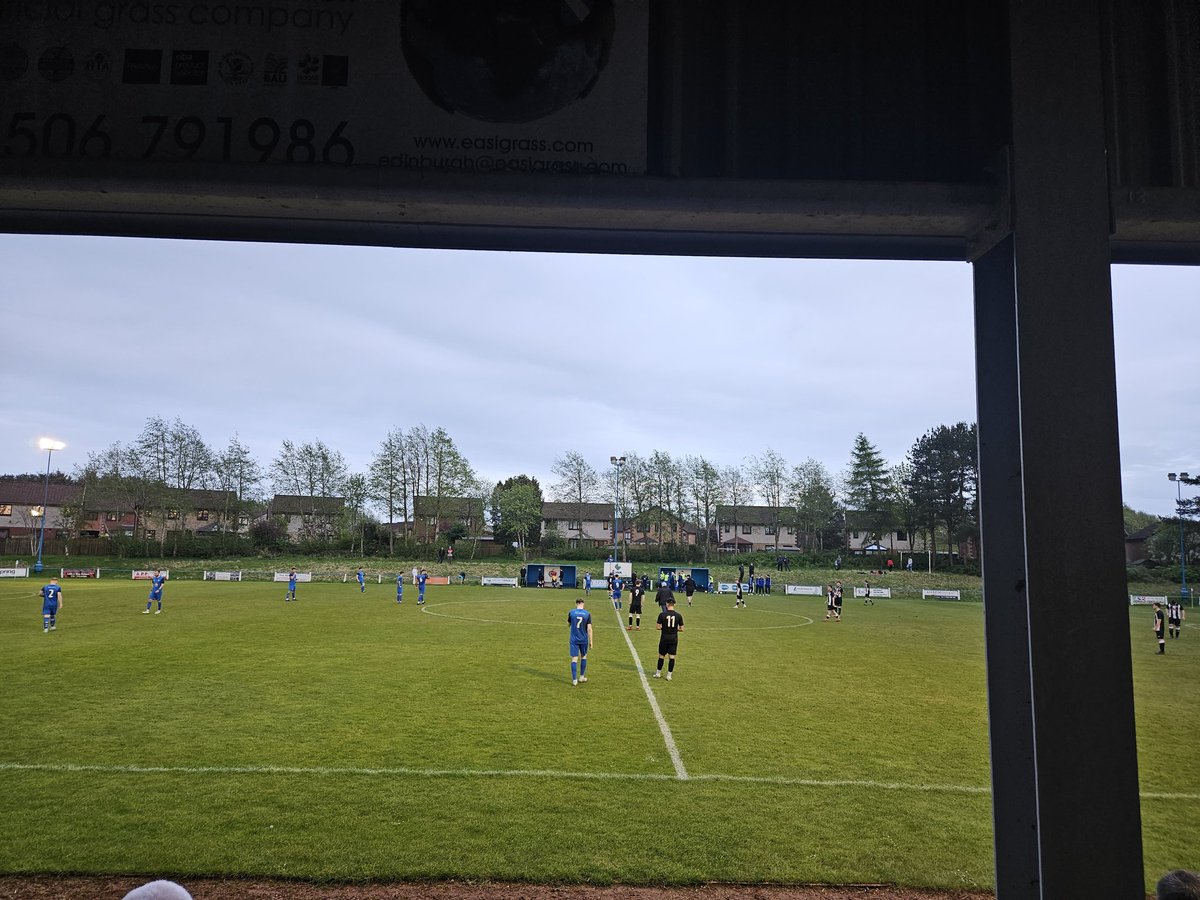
516,511
704,488
943,480
355,492
236,471
737,493
869,489
449,475
311,471
387,482
769,473
578,483
811,491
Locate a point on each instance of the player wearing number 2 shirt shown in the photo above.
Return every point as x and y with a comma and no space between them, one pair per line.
51,604
579,620
670,623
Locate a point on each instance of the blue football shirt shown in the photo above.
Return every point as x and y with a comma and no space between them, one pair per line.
50,594
578,621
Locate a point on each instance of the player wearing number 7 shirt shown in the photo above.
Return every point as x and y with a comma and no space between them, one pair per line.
579,621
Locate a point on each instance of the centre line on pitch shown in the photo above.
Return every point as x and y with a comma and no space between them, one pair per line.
668,739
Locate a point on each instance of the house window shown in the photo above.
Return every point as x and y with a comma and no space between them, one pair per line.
770,529
727,529
747,529
243,521
172,514
202,515
432,521
788,529
110,517
5,509
856,535
573,543
902,535
574,525
607,526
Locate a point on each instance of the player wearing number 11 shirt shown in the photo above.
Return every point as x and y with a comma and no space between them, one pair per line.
670,623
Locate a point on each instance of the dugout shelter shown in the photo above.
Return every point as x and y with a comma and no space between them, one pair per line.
700,576
547,572
1039,142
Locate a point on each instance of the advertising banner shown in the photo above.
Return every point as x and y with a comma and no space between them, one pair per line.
79,573
416,85
14,573
222,576
875,592
496,581
300,576
807,590
941,595
147,574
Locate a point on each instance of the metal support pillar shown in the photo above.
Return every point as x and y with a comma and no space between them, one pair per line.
1062,423
1010,701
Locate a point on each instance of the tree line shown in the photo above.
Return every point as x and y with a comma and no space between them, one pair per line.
931,492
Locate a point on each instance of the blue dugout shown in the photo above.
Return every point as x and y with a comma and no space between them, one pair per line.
547,572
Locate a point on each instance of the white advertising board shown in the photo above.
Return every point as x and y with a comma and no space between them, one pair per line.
14,573
419,86
222,576
875,592
806,590
497,581
147,574
941,595
1145,600
287,576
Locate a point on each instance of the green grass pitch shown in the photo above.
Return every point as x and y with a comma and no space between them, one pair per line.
346,737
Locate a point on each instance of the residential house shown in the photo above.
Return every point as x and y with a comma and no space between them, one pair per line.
306,517
579,524
1136,544
657,526
754,529
435,515
21,507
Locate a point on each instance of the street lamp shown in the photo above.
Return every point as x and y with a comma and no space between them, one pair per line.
618,463
49,445
1179,480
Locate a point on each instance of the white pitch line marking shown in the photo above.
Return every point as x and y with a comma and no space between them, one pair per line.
668,739
399,772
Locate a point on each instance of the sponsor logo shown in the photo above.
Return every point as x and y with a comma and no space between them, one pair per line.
235,67
14,62
98,65
189,67
335,71
275,69
142,66
309,69
56,64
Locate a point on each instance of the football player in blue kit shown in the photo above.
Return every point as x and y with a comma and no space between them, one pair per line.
579,620
51,604
156,592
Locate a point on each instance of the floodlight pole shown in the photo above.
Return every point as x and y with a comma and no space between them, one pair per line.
618,463
49,446
1183,588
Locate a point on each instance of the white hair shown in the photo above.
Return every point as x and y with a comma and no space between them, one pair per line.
158,890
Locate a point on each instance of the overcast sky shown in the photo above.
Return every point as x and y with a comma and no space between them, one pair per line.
521,357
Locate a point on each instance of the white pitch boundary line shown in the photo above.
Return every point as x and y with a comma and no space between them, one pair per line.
668,739
770,780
